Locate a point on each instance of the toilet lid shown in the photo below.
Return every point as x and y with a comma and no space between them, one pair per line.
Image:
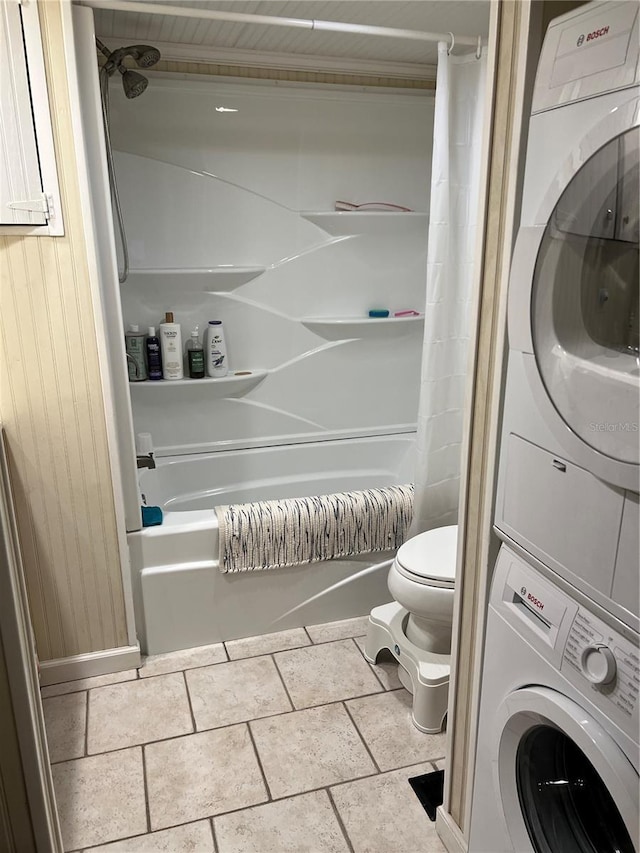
431,555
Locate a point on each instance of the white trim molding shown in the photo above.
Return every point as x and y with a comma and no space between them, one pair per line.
88,665
449,832
208,55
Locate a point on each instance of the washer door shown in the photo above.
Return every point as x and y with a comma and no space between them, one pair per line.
584,301
565,785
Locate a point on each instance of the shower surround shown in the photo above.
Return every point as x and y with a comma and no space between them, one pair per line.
228,192
230,216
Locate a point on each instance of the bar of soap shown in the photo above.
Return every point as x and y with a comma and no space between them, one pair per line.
379,312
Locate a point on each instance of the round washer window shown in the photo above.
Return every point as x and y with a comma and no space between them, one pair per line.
565,804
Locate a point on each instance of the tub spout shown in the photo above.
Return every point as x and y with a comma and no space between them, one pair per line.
146,461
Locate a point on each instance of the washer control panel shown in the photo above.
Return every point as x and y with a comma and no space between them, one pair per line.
597,654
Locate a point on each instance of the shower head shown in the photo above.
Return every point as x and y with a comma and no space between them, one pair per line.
144,55
133,83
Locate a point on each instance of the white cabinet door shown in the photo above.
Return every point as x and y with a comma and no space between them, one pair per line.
20,178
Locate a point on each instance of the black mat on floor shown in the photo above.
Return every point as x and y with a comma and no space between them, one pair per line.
429,789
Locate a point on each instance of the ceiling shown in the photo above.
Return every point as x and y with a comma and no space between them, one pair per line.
462,17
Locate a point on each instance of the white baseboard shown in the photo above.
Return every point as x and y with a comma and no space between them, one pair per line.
87,665
449,832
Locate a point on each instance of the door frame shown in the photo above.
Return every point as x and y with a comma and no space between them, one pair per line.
24,763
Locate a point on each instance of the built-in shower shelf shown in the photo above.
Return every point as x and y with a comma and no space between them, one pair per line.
222,278
338,328
373,222
235,384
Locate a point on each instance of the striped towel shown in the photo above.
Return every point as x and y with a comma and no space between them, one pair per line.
274,534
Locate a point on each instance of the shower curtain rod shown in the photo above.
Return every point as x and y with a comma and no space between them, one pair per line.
145,8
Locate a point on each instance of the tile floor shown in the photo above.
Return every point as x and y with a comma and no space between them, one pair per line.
286,743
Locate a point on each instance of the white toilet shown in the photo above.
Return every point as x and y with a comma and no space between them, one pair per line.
416,626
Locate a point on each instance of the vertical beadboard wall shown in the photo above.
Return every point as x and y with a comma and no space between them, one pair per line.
52,409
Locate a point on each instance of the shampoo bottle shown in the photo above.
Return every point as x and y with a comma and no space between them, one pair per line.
134,346
216,350
154,359
195,356
171,346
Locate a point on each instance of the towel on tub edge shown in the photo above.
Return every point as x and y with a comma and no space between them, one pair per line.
290,532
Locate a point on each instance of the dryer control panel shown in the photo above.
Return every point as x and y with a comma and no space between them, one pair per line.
587,52
595,655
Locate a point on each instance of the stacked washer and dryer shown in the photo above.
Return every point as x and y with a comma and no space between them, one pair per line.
557,759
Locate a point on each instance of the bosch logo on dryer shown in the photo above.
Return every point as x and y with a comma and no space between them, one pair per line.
592,36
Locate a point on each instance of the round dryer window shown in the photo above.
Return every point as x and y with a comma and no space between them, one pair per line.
585,301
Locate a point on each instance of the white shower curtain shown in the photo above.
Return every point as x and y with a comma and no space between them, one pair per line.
453,223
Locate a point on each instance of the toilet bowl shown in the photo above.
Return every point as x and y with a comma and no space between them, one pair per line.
416,626
422,580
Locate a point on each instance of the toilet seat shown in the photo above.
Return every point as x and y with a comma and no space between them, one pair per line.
430,558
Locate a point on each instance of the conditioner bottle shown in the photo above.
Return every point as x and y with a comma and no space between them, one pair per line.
171,347
216,350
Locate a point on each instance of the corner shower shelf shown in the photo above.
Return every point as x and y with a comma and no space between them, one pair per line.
338,328
343,223
195,280
234,385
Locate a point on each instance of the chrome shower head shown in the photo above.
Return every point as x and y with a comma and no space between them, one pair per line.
133,83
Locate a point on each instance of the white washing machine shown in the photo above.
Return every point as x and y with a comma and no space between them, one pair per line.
557,758
569,472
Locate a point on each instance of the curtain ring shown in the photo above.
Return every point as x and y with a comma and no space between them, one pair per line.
451,46
479,48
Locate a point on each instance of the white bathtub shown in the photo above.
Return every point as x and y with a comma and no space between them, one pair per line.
181,597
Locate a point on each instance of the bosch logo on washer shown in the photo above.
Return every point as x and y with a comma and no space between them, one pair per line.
535,601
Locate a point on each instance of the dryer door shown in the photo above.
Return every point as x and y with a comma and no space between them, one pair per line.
584,302
565,785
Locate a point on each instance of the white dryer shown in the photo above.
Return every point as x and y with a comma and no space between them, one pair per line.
557,757
569,472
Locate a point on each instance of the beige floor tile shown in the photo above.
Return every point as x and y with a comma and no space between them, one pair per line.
386,669
267,643
342,630
191,838
88,683
234,692
330,672
137,712
385,724
100,798
382,814
200,775
309,749
305,824
184,659
65,718
439,764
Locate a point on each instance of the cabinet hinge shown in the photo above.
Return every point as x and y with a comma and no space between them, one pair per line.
42,204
